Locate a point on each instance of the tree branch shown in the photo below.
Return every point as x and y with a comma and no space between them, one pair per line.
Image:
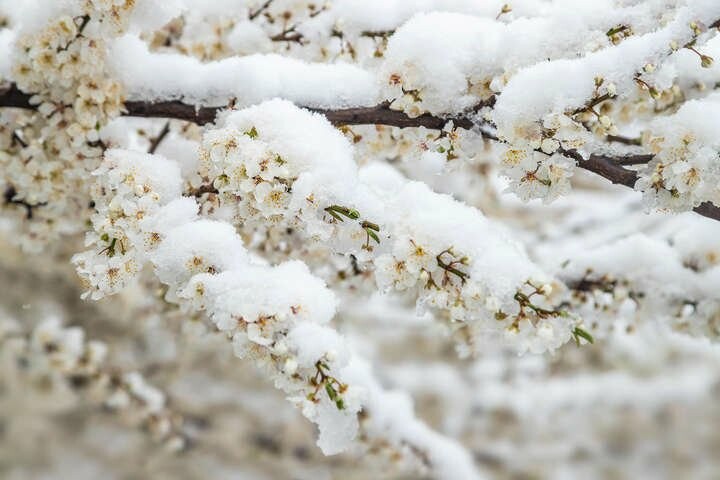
610,168
11,96
175,109
377,115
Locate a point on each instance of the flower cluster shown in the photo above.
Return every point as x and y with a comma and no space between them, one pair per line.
537,175
445,62
63,66
129,188
60,359
621,281
415,238
277,317
684,171
441,251
142,217
274,316
572,105
277,165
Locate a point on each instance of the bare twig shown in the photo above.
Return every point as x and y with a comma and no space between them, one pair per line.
155,142
9,197
288,35
260,10
377,33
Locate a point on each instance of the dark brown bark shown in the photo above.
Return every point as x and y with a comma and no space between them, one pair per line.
377,115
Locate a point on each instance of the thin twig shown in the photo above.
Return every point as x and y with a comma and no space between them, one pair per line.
288,35
155,142
260,10
9,197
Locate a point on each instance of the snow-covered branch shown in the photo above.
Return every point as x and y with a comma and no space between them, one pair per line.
299,208
606,166
276,316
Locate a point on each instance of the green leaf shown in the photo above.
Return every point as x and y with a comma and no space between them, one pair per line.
372,235
334,215
330,391
579,333
370,225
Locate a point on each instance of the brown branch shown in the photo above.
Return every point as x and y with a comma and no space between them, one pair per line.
171,109
604,166
610,168
175,109
11,96
377,115
629,160
709,210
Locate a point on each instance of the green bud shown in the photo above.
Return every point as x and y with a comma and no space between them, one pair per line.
252,133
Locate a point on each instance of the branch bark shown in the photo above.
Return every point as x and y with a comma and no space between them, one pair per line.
610,168
11,96
176,109
377,115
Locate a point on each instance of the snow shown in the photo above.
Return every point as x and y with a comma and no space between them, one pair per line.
684,173
569,84
161,174
453,61
197,247
7,37
355,16
391,416
32,15
312,341
318,153
250,79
